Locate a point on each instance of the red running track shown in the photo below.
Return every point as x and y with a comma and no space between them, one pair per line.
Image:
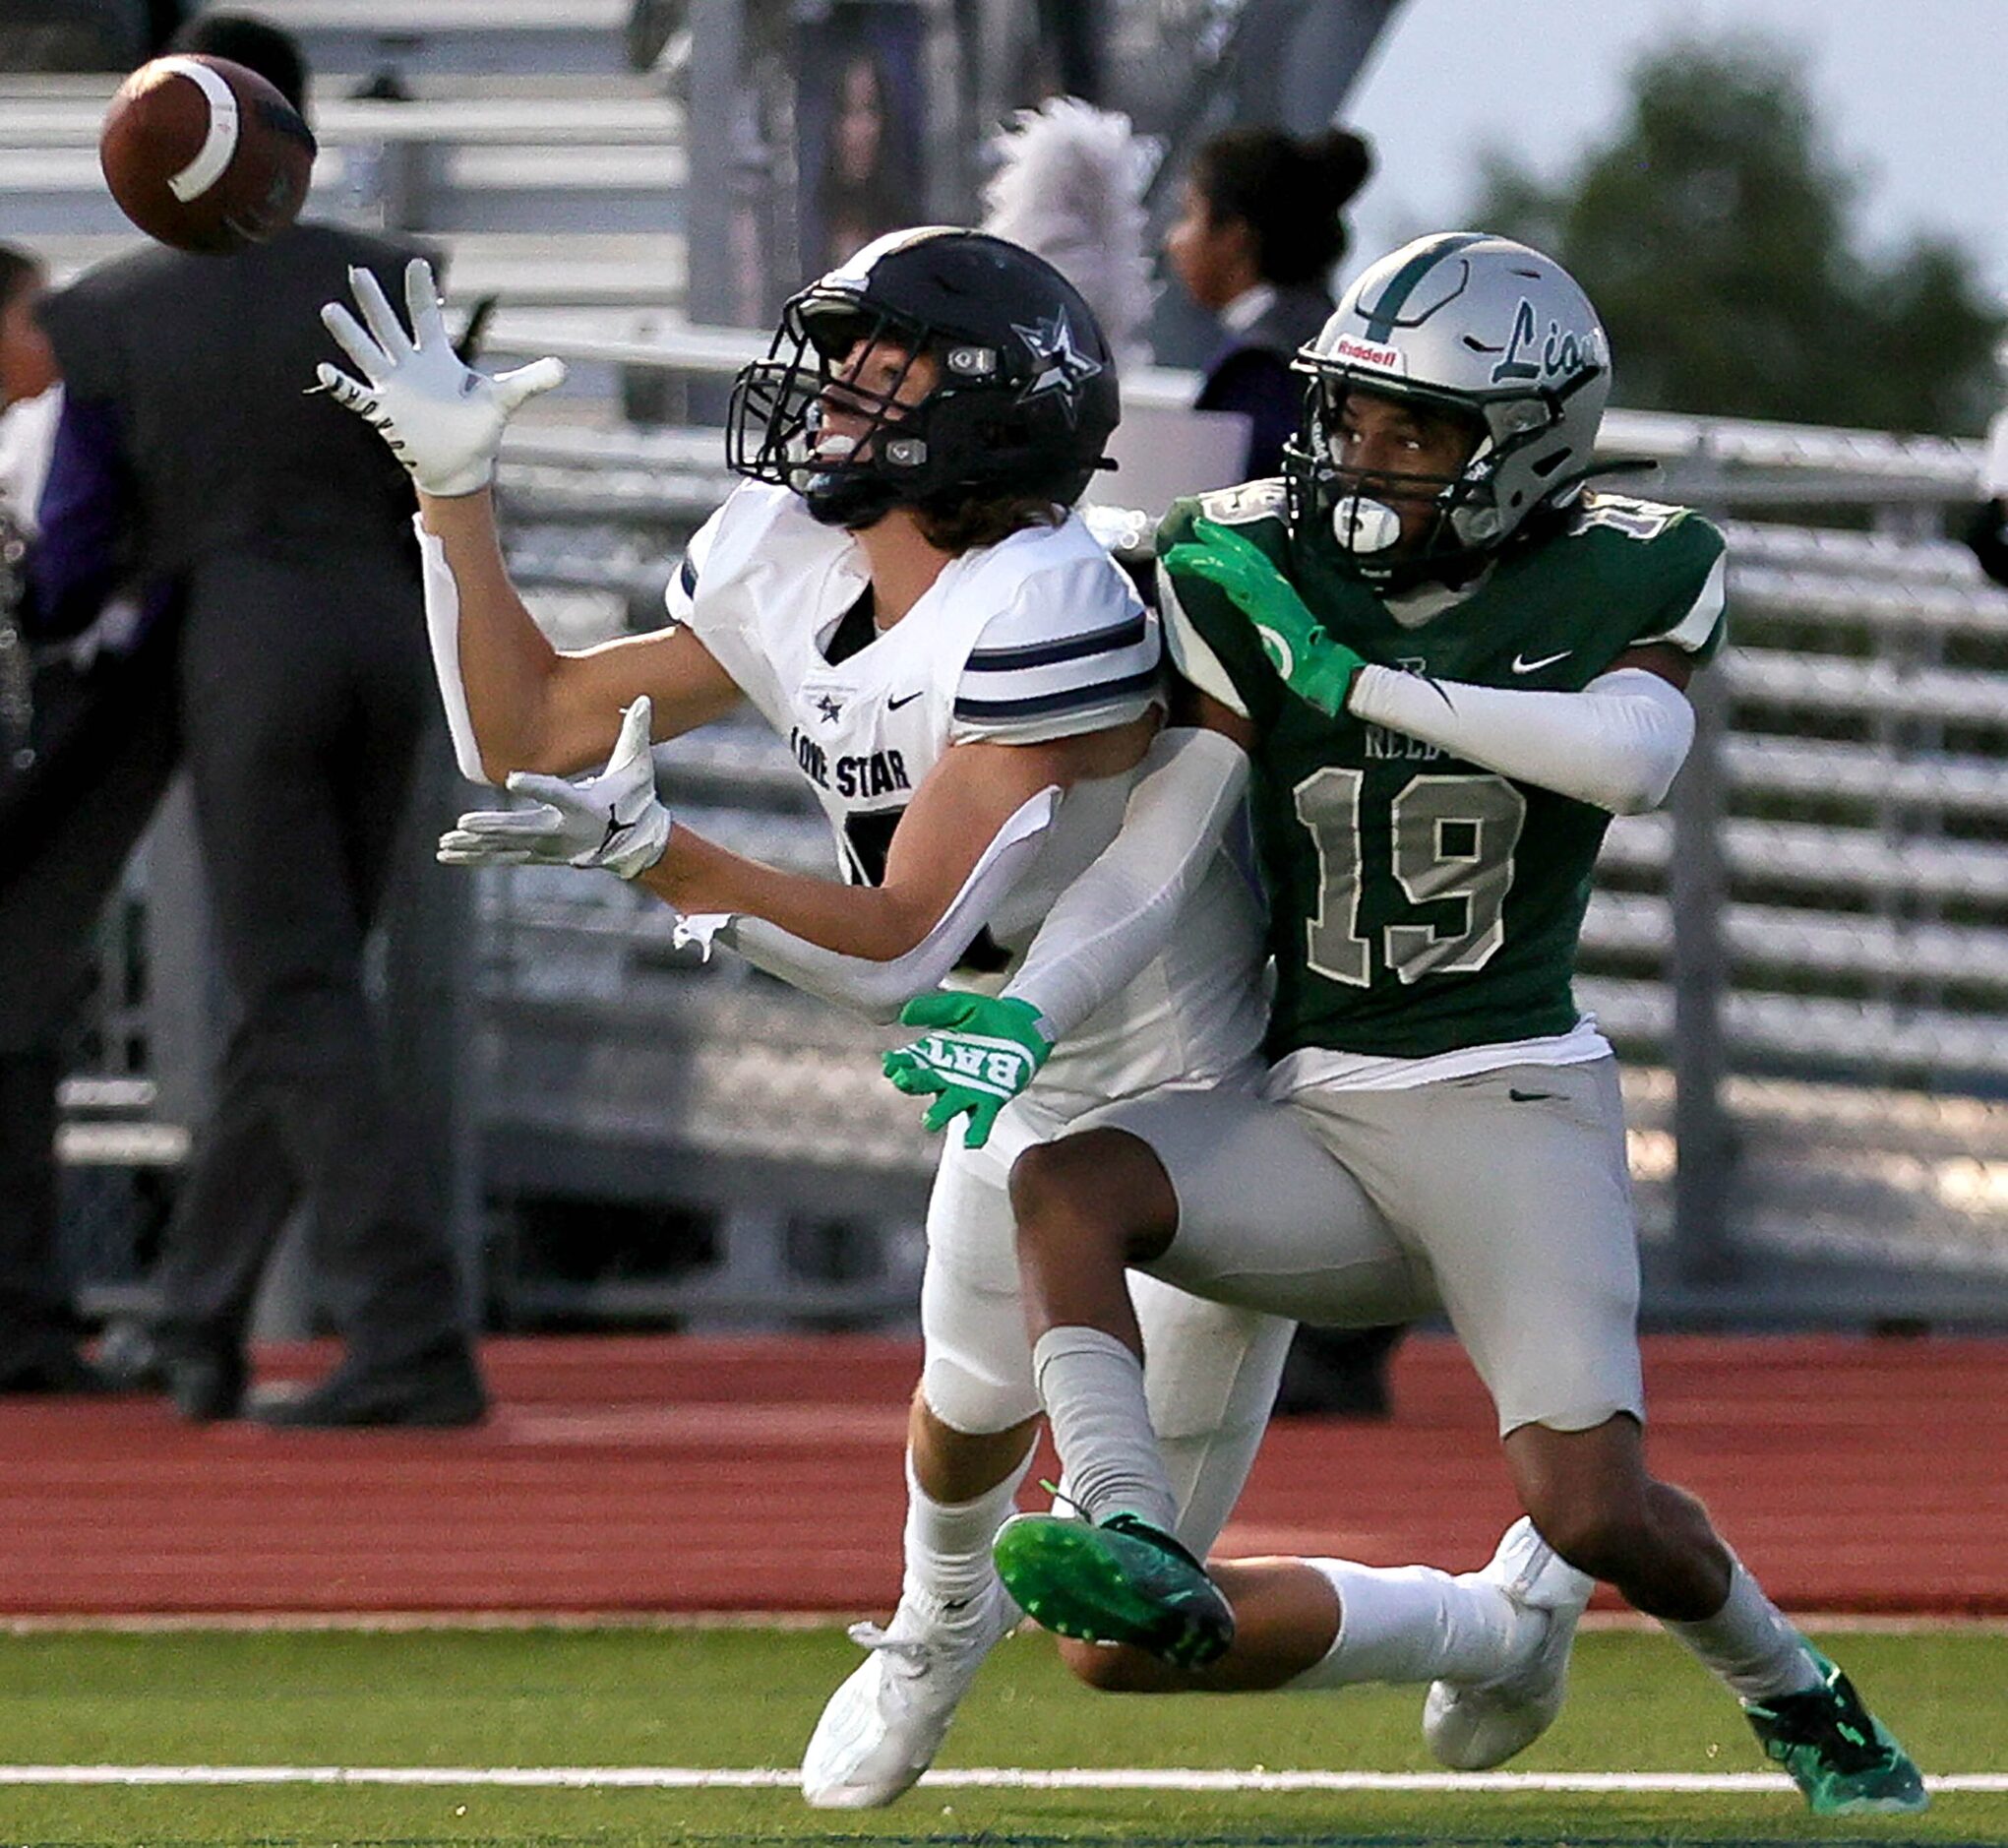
685,1474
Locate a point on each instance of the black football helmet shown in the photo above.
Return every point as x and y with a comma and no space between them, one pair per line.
1024,404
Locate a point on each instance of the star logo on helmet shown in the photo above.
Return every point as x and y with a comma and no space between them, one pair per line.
1058,364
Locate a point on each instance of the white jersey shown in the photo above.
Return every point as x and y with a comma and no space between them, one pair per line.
1036,637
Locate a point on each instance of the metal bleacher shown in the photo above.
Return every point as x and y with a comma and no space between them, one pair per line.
1805,961
551,172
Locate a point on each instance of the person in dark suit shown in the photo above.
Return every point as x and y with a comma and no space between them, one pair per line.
305,690
1254,245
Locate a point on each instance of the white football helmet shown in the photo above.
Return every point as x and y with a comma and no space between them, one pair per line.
1478,325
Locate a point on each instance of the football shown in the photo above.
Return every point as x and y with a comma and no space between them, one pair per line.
204,155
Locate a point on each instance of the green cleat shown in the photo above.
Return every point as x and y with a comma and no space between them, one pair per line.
1118,1580
1839,1754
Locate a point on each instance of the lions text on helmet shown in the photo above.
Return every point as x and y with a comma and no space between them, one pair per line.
1456,391
936,366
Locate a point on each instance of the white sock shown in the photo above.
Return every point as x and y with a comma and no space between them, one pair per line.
1092,1389
1749,1644
1413,1623
947,1546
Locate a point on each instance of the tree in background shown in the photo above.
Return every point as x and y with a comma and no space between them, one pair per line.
1719,237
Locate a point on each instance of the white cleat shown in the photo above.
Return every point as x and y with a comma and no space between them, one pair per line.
883,1726
1472,1726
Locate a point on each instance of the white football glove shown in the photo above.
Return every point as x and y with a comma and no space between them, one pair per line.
444,419
612,820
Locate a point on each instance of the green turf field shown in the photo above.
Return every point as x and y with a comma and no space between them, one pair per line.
745,1698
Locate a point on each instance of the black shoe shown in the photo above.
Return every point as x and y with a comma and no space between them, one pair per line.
441,1394
56,1370
207,1383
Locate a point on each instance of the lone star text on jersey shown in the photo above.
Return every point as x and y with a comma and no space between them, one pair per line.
875,773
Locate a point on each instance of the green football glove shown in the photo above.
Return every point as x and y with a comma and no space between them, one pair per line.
983,1052
1313,666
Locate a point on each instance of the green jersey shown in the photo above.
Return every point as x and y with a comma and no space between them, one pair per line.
1420,903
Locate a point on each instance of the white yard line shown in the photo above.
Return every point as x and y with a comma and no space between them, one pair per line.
683,1777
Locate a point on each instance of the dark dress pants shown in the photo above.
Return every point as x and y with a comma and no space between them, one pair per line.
305,689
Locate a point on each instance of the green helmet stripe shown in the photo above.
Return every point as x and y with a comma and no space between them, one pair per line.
1402,285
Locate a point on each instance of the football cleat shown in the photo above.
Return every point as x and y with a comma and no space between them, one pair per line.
1472,1726
883,1726
1838,1753
1118,1581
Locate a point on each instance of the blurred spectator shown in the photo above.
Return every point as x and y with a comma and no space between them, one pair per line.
1069,184
87,744
1069,47
861,195
1254,245
305,689
84,34
165,19
860,124
1987,530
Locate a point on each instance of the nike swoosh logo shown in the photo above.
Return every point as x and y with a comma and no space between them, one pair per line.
893,706
1532,1097
1522,665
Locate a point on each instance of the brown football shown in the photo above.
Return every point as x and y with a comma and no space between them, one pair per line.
204,155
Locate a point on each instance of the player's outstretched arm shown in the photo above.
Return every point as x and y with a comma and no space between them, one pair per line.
1101,933
961,807
877,990
513,702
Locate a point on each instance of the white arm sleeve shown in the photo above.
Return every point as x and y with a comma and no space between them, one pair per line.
1617,744
1120,912
443,627
878,990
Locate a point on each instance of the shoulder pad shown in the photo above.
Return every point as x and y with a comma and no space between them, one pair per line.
1071,649
1655,537
1631,516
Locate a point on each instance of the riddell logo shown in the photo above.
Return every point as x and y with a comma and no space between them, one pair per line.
1365,355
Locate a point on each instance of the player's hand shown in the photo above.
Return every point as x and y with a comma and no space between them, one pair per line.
983,1051
443,419
1313,665
612,820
